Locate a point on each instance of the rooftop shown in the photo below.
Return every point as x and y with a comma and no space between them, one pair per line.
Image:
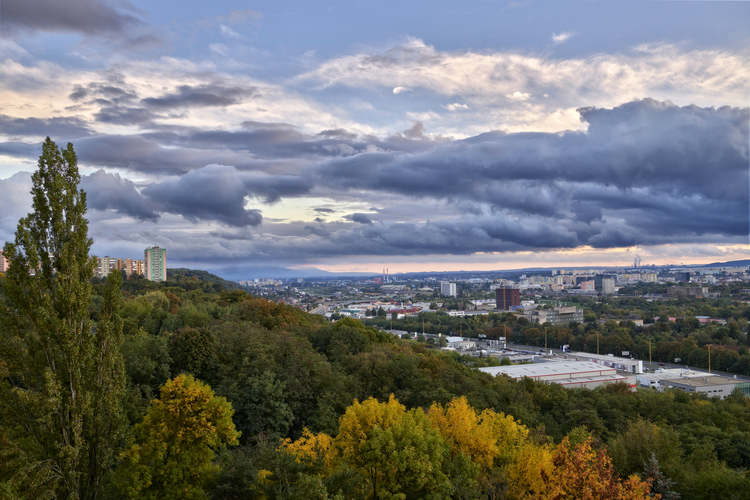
537,370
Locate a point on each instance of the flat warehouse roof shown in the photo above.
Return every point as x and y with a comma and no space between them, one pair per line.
590,380
537,370
604,357
705,381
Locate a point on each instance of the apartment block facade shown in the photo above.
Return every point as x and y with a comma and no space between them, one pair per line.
155,263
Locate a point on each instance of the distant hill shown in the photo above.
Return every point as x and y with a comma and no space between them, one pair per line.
731,263
203,276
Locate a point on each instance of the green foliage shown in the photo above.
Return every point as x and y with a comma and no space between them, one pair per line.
170,455
643,441
193,351
147,365
660,485
267,471
61,379
179,274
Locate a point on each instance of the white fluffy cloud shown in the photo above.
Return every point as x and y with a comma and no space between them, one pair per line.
660,71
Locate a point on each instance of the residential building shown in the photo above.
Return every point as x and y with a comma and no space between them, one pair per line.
599,278
4,263
105,265
447,289
608,285
155,263
507,297
133,267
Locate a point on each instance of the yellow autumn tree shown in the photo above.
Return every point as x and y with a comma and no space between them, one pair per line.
398,452
524,477
311,447
510,463
171,454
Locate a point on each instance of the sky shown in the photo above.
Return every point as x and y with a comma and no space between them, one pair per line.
261,139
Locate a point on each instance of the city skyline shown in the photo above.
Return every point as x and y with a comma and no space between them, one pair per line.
420,137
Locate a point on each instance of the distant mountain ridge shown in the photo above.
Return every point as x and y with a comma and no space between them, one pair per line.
731,263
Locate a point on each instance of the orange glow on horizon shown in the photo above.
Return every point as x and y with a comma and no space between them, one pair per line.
580,258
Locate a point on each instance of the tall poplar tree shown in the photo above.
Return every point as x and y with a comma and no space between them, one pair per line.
61,376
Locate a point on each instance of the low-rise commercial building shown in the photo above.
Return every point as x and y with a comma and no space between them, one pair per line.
571,374
710,385
555,316
622,364
682,292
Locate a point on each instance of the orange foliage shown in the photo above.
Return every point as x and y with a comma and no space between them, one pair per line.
584,473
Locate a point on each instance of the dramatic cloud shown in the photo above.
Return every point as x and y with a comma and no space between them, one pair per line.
360,218
237,142
63,128
109,191
201,96
656,71
90,17
644,173
220,192
639,167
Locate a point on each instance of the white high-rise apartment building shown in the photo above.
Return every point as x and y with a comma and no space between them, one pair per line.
447,289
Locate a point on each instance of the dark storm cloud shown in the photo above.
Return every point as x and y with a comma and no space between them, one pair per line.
463,236
213,95
359,218
68,128
139,154
220,192
124,115
121,106
644,173
20,150
90,17
690,149
109,191
686,167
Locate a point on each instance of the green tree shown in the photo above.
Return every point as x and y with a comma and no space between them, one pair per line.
170,455
631,451
62,380
660,485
